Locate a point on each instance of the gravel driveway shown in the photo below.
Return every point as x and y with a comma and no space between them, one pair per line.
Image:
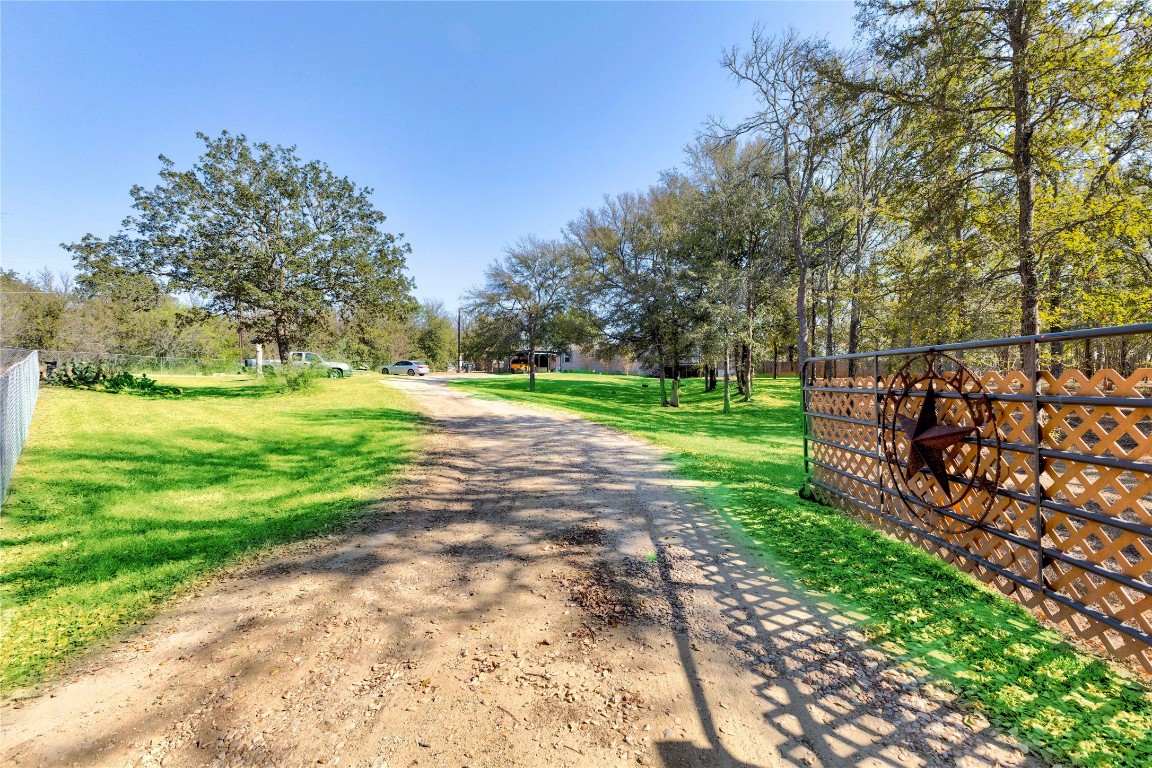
535,591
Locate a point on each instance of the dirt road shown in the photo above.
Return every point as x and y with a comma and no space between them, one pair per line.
535,591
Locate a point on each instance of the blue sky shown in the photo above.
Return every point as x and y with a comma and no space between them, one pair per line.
476,124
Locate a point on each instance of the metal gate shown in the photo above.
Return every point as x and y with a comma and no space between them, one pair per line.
1025,461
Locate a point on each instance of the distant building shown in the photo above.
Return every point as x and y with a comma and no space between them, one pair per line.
546,360
577,358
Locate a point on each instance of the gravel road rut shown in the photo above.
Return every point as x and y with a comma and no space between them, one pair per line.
535,590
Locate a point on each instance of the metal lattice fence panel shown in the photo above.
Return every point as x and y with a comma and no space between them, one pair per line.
946,457
19,387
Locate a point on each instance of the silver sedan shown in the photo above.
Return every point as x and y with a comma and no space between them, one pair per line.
410,367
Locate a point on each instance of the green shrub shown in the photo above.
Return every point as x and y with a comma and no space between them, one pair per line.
83,373
125,381
283,379
98,376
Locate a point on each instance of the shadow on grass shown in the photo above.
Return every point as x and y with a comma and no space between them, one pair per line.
1028,680
136,514
242,391
210,390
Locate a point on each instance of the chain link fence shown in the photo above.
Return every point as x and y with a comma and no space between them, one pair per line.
19,386
51,359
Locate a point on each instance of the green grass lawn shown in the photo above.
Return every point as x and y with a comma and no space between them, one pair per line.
119,500
1069,706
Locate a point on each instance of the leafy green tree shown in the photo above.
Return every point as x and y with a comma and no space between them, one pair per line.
1008,106
34,311
108,273
261,235
533,290
647,297
736,219
799,121
434,338
488,337
865,163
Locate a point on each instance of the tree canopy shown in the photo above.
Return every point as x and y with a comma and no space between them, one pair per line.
531,294
261,235
970,171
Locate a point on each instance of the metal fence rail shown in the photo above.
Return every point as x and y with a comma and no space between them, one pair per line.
19,387
1066,526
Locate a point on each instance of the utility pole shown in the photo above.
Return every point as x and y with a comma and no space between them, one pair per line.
459,353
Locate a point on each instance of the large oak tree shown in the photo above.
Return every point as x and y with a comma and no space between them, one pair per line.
262,236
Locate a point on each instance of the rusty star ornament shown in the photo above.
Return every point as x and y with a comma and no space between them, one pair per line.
929,441
920,437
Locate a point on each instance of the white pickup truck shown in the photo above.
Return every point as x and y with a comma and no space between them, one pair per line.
309,360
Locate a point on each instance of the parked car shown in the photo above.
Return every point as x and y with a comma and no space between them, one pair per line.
313,360
410,367
308,360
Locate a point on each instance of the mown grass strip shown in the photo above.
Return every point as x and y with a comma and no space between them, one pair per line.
1069,706
120,499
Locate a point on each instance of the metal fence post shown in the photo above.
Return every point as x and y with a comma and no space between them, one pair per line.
879,430
1038,466
804,404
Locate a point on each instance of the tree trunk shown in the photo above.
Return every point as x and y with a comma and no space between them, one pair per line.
1087,367
531,367
240,328
749,369
854,318
727,379
746,364
813,350
280,328
801,295
1057,351
675,401
1056,348
775,359
1022,165
830,302
663,385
